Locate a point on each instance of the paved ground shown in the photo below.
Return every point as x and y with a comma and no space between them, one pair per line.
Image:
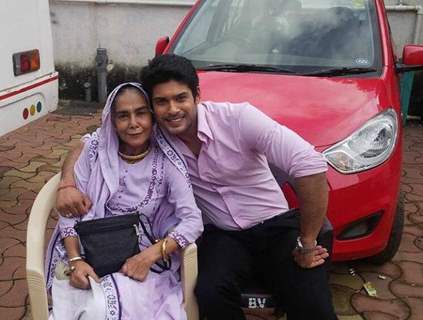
33,154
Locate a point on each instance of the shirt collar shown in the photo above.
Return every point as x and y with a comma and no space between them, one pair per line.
203,130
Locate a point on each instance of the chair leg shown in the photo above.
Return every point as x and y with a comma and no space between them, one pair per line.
189,271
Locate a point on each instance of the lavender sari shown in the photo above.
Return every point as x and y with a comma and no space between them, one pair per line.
159,188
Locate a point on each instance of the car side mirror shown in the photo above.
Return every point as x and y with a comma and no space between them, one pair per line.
161,45
412,58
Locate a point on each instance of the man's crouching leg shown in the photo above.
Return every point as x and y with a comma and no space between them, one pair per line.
224,268
303,293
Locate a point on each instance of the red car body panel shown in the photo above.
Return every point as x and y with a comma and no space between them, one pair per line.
306,104
324,111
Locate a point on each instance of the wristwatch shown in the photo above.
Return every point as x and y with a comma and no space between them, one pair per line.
304,250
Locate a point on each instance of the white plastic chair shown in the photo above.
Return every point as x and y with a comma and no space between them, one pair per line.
43,204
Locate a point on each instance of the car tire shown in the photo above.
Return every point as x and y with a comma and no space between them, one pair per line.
395,238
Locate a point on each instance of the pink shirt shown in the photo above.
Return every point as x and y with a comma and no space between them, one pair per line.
231,178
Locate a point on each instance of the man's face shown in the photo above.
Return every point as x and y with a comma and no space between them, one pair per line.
175,107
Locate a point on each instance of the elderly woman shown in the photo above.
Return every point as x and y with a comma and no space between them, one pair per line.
126,166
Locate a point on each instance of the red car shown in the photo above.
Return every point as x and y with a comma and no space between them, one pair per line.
326,69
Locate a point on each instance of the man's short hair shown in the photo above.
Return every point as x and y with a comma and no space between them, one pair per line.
167,67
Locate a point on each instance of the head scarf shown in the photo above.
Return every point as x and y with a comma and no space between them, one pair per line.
108,142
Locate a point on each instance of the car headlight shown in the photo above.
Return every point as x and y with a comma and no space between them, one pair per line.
367,147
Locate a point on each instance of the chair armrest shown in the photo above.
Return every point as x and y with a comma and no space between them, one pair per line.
43,204
189,271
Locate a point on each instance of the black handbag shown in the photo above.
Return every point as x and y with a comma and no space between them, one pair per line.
108,242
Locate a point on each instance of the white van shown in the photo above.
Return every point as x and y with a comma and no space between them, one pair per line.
28,81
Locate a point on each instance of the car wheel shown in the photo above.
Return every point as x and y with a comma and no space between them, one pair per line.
396,234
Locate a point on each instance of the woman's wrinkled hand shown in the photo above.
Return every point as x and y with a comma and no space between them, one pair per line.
311,259
79,277
138,266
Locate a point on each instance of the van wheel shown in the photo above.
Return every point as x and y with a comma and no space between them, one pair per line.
396,234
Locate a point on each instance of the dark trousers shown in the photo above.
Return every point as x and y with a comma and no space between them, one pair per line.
228,260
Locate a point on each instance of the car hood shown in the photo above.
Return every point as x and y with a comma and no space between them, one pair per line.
322,110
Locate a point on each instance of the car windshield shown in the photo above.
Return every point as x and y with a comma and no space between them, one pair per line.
283,35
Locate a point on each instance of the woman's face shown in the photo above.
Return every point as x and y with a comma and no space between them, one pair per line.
133,121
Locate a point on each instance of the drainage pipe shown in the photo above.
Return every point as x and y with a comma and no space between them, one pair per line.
404,8
87,91
101,60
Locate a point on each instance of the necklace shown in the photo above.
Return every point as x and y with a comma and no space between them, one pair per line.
136,158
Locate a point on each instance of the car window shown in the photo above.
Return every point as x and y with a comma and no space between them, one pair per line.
298,33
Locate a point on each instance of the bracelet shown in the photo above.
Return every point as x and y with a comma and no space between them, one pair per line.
303,249
164,254
77,258
65,186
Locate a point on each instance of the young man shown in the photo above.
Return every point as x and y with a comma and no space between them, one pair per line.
250,231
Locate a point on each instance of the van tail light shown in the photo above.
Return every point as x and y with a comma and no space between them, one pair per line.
24,62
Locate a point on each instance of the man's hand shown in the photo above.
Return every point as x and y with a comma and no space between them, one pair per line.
79,277
312,193
138,266
311,259
71,202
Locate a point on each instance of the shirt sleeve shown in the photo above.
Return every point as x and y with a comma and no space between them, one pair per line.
282,147
180,195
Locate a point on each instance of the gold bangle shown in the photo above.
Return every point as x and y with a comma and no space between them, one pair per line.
164,254
77,258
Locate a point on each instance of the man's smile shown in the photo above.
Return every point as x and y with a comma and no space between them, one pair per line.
174,119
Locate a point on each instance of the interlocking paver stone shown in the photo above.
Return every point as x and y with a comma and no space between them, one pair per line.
17,250
7,196
373,315
12,232
341,296
45,159
7,243
389,269
41,178
27,184
393,307
11,219
4,169
8,203
407,243
15,298
5,147
416,305
31,167
21,207
8,267
12,312
27,195
19,174
353,282
401,289
5,182
419,241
